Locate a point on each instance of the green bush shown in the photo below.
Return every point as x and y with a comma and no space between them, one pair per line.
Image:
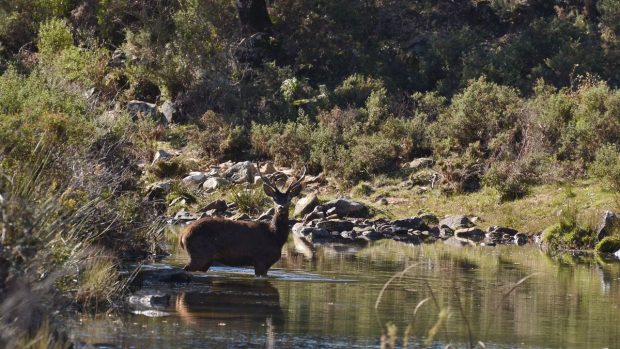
251,201
568,234
355,90
607,166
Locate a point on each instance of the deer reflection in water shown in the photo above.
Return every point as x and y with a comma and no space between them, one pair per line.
246,305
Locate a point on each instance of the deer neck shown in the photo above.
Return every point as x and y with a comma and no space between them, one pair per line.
279,224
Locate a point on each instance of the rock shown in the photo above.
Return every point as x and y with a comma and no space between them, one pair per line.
348,208
382,201
141,109
312,216
185,215
312,234
169,111
306,204
348,235
502,231
241,172
241,217
372,235
155,275
214,183
454,242
267,168
335,225
217,205
194,179
472,234
520,239
411,223
445,232
608,223
267,215
456,222
420,163
154,191
151,300
161,155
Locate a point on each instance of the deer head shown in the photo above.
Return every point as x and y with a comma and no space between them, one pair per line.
282,200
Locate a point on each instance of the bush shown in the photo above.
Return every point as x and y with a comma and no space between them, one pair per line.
567,234
251,201
219,139
355,90
607,166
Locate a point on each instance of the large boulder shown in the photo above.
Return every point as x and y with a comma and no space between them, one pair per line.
169,111
194,179
411,223
306,205
608,222
241,172
347,208
214,183
154,191
338,225
456,222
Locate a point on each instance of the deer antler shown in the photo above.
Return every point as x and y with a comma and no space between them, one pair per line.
297,181
266,180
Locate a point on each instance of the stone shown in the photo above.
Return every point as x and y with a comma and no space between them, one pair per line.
151,300
347,208
502,230
520,239
411,223
194,179
454,242
154,191
348,234
445,232
184,215
306,204
420,163
335,225
241,217
169,111
241,172
472,234
141,109
372,235
429,218
312,216
408,239
608,222
217,205
214,183
161,155
157,275
382,201
456,222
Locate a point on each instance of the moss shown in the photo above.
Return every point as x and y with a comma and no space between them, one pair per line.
610,244
568,236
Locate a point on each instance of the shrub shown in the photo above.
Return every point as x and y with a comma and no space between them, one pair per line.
285,143
251,201
567,234
355,90
607,166
219,139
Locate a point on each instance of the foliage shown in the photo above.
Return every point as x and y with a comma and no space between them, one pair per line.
609,244
251,201
607,166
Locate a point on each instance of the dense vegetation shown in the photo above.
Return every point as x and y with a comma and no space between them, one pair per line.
501,93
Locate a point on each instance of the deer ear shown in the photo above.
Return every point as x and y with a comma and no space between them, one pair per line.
294,191
269,190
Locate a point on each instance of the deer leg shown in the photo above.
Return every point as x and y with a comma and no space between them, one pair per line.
196,263
205,267
261,269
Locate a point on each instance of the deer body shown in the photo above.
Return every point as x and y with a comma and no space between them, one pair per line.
240,243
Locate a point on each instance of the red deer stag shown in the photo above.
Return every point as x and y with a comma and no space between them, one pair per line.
241,243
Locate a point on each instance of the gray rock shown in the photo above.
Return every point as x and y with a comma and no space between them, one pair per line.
608,223
472,234
454,242
348,208
141,109
185,215
155,191
520,239
306,205
456,222
420,163
169,111
411,223
154,275
161,155
151,300
348,234
445,232
335,225
194,179
214,183
372,235
408,239
241,172
267,168
217,205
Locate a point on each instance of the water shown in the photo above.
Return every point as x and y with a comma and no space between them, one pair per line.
329,302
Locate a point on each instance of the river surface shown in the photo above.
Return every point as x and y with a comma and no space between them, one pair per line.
448,296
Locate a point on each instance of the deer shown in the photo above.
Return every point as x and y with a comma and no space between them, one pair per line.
241,243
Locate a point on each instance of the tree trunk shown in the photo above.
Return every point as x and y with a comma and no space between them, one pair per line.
253,16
